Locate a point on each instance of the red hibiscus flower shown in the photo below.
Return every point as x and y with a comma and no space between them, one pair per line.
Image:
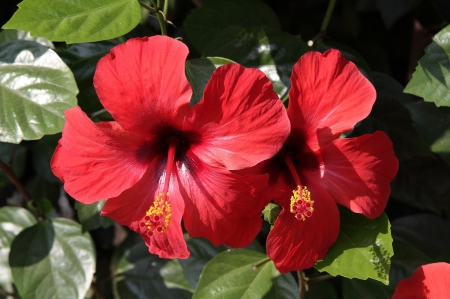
318,169
162,160
430,281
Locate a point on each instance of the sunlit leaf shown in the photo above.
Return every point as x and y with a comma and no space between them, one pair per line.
241,273
76,21
363,248
10,34
12,221
206,22
36,87
89,215
431,79
52,259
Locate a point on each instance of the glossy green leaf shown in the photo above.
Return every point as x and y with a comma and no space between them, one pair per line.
12,155
89,215
36,87
82,60
12,221
270,50
173,276
232,274
431,79
206,22
53,259
9,34
76,21
138,273
199,71
363,248
390,115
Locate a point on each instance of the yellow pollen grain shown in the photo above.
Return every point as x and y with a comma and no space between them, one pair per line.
161,207
305,197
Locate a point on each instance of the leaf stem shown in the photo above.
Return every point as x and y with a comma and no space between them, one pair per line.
326,21
302,283
166,7
320,278
160,14
12,177
149,8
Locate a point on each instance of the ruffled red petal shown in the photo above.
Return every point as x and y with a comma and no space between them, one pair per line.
129,209
357,172
142,83
97,161
220,204
328,97
295,244
240,120
427,282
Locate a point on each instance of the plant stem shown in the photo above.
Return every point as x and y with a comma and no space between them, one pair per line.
162,22
12,177
149,8
319,278
302,284
326,21
97,113
166,7
160,14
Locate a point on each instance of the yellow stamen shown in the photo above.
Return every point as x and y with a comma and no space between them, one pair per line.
301,203
157,218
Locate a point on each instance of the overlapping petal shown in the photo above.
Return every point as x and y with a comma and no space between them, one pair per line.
219,203
240,120
130,207
295,244
142,83
427,282
357,172
89,154
328,97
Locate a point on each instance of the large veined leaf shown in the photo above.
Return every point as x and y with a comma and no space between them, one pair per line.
140,274
212,17
12,221
363,248
199,71
53,259
270,50
431,78
241,273
89,215
76,21
9,34
36,87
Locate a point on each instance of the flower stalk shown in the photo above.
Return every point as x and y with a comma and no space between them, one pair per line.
326,21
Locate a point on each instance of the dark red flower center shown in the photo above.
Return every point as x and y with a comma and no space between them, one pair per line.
301,203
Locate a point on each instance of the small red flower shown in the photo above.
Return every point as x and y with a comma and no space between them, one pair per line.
162,160
318,169
430,281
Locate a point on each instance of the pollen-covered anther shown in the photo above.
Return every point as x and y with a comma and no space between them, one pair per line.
157,218
301,203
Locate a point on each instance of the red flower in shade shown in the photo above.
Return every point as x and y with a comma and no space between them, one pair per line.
430,281
318,169
161,160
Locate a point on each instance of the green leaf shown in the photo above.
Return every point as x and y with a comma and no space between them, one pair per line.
173,276
76,22
199,71
7,34
82,59
390,115
363,248
53,259
232,274
431,79
15,155
138,273
271,212
36,88
89,215
206,22
12,221
270,50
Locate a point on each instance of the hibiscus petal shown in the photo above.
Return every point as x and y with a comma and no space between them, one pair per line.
142,83
129,209
328,97
357,172
295,244
220,204
97,161
427,282
240,119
